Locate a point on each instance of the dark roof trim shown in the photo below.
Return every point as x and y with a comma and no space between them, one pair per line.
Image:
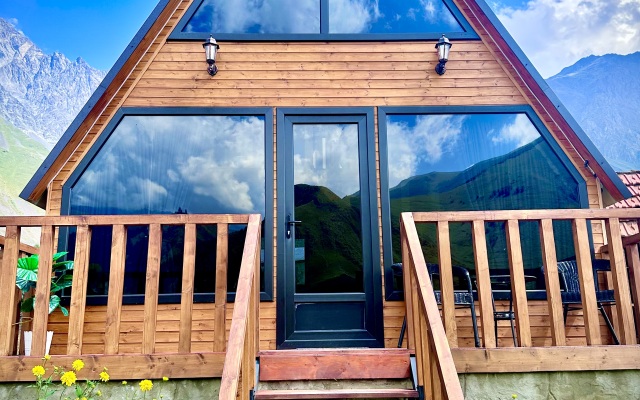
95,97
323,35
564,112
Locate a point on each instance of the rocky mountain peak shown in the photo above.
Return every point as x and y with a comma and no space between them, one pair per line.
41,93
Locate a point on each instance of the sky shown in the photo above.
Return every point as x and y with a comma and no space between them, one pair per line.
553,33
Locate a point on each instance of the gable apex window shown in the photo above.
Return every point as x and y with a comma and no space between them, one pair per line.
322,20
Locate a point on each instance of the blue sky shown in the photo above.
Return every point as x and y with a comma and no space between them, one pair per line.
553,33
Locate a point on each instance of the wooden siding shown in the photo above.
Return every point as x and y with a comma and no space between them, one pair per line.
305,75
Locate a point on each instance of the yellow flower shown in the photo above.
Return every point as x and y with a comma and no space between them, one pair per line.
77,365
146,385
514,396
124,382
104,376
164,378
46,357
98,393
38,371
68,378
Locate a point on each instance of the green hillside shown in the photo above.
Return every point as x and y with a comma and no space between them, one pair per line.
20,156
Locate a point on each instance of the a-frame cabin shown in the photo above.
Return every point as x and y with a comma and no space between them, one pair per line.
328,119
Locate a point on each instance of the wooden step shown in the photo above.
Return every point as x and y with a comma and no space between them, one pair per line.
337,394
293,365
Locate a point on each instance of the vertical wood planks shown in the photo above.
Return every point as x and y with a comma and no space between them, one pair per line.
585,275
151,289
186,297
222,251
626,334
633,259
41,307
116,288
79,290
446,283
406,278
483,283
416,310
552,282
8,302
518,288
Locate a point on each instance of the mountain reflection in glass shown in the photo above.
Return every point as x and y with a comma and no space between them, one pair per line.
391,16
178,164
473,162
256,16
328,247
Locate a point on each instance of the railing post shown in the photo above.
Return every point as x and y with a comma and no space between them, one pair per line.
43,286
186,297
585,276
483,283
518,288
222,250
79,290
446,283
633,259
620,283
116,288
406,281
151,289
552,282
8,302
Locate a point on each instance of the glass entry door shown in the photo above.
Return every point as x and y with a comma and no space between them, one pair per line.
329,280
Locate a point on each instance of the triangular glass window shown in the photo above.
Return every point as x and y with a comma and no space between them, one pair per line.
323,20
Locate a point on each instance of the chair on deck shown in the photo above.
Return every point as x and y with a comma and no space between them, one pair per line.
462,298
570,285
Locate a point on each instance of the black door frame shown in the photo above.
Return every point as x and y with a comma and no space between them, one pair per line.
373,335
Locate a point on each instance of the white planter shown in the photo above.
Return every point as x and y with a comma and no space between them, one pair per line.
28,338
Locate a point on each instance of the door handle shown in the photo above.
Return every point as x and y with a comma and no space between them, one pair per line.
291,222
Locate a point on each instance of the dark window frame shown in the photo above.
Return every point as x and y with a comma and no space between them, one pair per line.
324,35
396,295
174,298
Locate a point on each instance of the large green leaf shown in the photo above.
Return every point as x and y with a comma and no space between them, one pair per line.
63,266
27,305
54,302
27,273
59,255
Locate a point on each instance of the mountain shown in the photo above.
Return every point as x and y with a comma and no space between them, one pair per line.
603,95
40,93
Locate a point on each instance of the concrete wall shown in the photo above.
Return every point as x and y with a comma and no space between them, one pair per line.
589,385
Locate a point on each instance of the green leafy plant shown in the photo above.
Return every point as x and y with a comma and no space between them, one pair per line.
27,277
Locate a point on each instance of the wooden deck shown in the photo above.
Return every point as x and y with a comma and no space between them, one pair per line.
223,340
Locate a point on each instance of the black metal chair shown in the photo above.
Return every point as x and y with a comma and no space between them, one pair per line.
462,298
570,285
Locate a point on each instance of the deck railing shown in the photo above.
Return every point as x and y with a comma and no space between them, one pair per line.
436,370
238,376
149,363
544,218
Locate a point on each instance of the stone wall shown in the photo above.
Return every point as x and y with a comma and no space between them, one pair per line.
589,385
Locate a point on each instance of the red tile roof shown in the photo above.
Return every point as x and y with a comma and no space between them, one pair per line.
632,181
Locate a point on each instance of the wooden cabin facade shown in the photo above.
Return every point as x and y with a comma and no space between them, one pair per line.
329,135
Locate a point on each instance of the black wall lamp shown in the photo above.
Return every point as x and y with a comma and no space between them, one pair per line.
211,49
442,47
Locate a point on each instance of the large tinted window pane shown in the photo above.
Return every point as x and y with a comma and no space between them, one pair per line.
391,16
470,162
256,16
173,165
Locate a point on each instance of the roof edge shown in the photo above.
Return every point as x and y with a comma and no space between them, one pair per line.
553,98
28,190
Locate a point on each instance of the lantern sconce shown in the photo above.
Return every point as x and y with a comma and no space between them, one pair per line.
442,47
211,49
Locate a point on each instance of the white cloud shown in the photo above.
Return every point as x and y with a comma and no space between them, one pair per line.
520,132
353,16
556,33
426,141
327,155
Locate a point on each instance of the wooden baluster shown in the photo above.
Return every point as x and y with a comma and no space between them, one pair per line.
116,288
422,354
518,288
587,288
436,382
151,289
9,302
483,283
552,282
633,259
626,334
186,297
222,251
79,290
446,284
406,278
43,286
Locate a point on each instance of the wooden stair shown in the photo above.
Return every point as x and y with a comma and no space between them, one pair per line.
335,374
